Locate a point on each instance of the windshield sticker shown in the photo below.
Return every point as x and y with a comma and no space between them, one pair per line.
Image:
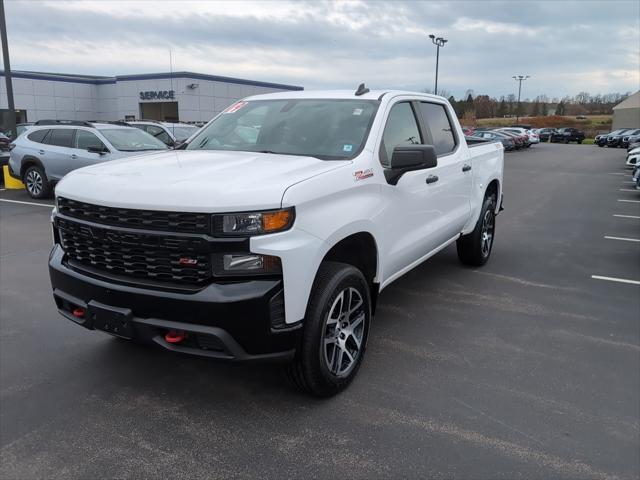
235,107
357,111
347,147
362,174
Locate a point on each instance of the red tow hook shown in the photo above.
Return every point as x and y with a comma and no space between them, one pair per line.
78,312
173,336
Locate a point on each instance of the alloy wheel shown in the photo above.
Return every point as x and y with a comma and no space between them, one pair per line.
488,228
34,182
344,332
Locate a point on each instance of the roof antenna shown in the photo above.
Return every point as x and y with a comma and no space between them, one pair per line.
361,90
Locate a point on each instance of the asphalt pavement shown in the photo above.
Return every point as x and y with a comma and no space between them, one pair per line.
526,368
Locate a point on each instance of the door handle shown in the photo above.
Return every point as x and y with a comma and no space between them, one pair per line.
74,156
432,179
41,152
466,168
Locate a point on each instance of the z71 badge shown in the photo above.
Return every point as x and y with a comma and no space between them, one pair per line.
362,174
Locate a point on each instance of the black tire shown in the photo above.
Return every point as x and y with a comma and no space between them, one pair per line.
36,182
566,140
579,142
472,250
309,370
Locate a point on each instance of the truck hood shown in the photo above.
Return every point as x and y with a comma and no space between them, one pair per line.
193,181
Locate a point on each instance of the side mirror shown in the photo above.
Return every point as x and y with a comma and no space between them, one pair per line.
407,158
97,149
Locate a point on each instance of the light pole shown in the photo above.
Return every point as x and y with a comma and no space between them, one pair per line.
438,42
519,79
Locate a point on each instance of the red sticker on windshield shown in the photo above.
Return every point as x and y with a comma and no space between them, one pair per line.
235,107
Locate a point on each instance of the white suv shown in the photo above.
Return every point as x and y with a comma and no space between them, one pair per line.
53,148
171,134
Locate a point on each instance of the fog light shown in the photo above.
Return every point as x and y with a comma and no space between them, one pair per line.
247,264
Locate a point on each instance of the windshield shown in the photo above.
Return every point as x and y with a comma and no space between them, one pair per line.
325,129
182,132
132,140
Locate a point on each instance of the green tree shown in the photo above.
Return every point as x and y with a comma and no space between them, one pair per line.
502,108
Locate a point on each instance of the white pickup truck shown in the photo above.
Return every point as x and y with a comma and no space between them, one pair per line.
271,233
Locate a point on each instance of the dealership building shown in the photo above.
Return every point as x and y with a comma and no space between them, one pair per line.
177,96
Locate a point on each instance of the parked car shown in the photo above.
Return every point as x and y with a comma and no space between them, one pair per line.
545,133
636,176
171,134
5,141
518,132
518,139
634,142
567,134
633,157
20,129
274,249
508,143
614,139
53,148
468,131
628,136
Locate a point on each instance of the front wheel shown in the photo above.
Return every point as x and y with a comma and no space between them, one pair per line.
474,249
336,328
36,182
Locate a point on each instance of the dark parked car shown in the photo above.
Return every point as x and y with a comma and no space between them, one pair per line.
601,140
628,137
508,142
4,143
545,133
567,134
518,139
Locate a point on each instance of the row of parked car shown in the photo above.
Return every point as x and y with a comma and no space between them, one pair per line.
47,150
512,138
623,137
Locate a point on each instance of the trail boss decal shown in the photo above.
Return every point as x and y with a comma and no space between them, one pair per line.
362,174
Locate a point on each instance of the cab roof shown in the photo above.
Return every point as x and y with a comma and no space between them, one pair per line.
338,95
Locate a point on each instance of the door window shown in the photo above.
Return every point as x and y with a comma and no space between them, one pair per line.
85,139
159,133
61,137
401,129
439,127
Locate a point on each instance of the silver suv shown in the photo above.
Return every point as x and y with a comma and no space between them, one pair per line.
52,148
171,134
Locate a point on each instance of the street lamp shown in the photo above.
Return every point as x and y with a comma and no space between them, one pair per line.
438,42
519,79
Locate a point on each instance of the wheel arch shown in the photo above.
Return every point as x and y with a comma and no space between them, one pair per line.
360,250
28,161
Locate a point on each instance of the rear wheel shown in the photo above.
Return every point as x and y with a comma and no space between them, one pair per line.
36,182
335,331
474,249
579,141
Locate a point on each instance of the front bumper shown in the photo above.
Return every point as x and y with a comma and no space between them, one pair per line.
228,321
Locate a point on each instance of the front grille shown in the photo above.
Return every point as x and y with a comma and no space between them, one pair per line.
183,222
174,259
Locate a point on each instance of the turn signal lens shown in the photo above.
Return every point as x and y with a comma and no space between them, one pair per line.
275,221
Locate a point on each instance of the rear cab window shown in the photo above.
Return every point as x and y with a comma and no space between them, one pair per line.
439,128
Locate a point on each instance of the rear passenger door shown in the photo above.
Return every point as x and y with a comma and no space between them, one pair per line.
57,158
454,171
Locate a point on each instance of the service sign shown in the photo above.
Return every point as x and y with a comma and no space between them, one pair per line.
158,95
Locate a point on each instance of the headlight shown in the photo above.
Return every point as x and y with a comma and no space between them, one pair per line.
246,264
253,223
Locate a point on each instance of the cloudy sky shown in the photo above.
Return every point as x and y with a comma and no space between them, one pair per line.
566,47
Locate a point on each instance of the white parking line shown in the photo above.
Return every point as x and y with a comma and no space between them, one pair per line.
2,189
629,201
623,239
627,216
613,279
627,190
617,174
26,203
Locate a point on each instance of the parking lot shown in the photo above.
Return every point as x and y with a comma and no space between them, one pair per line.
526,368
